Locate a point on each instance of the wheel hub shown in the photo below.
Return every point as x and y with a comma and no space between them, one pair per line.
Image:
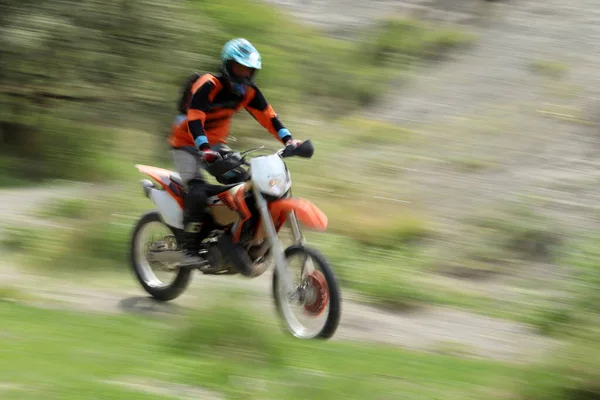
162,253
317,294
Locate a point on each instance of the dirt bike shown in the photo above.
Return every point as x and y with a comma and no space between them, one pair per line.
240,235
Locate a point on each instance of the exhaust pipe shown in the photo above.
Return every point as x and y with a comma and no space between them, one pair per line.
147,185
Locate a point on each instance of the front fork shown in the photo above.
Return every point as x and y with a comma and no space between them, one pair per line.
298,236
299,239
275,242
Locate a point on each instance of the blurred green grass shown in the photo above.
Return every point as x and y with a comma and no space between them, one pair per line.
225,342
226,349
73,208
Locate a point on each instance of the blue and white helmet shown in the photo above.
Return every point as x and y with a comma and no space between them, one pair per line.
243,52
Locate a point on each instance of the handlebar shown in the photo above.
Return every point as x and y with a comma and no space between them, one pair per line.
231,160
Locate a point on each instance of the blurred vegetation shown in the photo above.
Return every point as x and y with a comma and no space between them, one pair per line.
66,208
572,373
551,69
12,294
89,88
520,232
207,350
21,239
92,232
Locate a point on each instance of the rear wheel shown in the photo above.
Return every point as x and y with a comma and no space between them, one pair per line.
313,309
162,280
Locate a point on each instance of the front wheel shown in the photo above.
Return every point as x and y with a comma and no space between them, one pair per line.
316,295
152,234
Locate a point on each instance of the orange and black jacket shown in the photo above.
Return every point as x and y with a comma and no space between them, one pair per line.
210,110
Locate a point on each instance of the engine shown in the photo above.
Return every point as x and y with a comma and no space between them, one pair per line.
253,261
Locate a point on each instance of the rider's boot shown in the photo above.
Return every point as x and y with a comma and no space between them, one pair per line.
191,243
194,204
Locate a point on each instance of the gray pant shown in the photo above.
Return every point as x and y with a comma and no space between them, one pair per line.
188,166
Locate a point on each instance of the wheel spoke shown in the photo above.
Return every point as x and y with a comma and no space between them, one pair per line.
152,237
305,311
150,241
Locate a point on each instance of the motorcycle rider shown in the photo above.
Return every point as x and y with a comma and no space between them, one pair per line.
207,105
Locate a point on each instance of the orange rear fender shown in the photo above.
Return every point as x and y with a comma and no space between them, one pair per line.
162,176
307,213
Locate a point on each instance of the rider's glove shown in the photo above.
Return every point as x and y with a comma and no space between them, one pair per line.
293,143
288,140
210,156
284,135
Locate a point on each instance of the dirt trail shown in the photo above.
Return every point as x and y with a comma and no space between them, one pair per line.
434,329
19,206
